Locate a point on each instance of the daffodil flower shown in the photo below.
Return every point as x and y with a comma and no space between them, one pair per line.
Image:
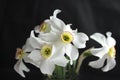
46,55
19,67
30,45
50,27
22,54
106,52
69,40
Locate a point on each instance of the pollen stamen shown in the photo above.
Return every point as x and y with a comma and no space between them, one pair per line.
66,37
46,51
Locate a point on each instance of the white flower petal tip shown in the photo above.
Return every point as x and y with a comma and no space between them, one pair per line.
69,25
56,12
98,63
107,69
111,63
108,34
80,40
110,40
72,52
84,36
61,61
19,67
36,29
71,62
91,64
100,38
47,68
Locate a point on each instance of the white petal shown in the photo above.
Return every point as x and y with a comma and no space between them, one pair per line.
98,63
35,56
19,67
110,40
72,52
56,21
32,43
49,37
68,28
36,29
58,47
52,26
60,61
100,38
59,24
83,36
109,34
47,67
35,41
56,12
28,60
110,64
99,52
58,58
80,40
27,47
58,52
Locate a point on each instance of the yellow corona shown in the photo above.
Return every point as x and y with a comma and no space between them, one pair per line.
66,37
46,51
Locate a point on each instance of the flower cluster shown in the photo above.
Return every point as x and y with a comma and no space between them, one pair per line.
56,43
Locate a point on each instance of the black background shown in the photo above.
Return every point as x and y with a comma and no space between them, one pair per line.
19,17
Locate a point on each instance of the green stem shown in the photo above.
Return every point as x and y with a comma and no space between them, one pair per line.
74,65
80,60
85,54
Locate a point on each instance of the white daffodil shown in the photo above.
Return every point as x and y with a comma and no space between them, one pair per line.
19,67
69,40
30,45
50,27
22,54
45,55
106,52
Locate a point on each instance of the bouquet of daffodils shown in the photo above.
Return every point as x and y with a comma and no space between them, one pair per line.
53,47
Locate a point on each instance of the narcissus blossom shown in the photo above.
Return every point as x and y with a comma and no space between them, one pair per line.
50,27
22,55
19,67
70,40
106,52
46,55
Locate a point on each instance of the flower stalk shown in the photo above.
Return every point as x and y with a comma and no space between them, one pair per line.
81,58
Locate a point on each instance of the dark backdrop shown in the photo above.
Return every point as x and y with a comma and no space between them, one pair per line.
18,18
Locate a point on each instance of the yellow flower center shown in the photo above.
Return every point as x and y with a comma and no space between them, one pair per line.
19,53
112,52
66,37
46,51
44,27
